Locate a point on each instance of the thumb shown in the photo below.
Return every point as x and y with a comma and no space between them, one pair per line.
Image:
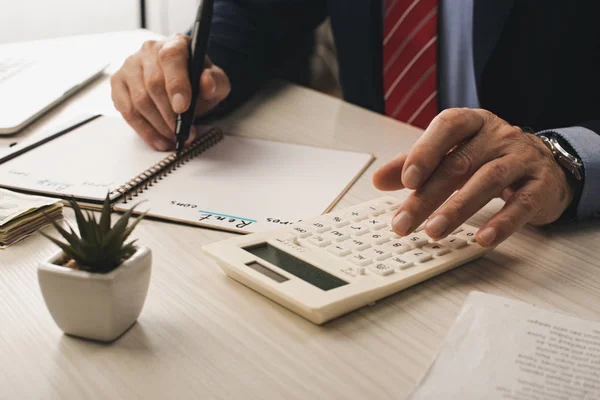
214,88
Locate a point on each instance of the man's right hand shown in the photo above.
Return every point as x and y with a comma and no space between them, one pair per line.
153,86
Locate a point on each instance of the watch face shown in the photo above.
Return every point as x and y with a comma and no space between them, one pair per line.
547,143
566,160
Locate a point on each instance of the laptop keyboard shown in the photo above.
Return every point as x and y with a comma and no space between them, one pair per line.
12,66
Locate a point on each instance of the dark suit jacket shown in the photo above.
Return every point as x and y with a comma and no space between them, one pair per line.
537,62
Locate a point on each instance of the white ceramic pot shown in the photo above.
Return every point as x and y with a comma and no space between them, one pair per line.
96,306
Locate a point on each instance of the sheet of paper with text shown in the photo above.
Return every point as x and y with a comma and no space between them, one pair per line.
506,349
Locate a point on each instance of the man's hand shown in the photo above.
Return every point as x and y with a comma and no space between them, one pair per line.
153,86
483,157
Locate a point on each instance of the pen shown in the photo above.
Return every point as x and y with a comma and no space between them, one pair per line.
197,53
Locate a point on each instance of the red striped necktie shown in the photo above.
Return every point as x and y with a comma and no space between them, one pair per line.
410,60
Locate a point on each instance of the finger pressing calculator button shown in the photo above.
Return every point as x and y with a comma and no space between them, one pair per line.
388,223
355,230
421,227
417,256
381,269
300,232
397,247
453,242
359,260
374,223
437,249
399,263
356,244
338,250
390,231
377,253
337,236
319,241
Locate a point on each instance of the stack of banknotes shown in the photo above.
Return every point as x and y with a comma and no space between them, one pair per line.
22,215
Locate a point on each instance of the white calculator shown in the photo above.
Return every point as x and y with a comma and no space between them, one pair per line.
329,265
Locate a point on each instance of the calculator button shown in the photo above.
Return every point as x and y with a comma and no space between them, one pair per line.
300,231
359,260
418,255
459,229
319,241
390,205
374,223
375,210
355,230
399,263
436,249
337,236
397,247
353,271
319,227
382,269
356,215
453,242
377,253
468,234
376,237
335,220
392,233
339,250
356,244
416,240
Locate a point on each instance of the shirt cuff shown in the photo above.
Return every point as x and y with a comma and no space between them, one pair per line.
586,144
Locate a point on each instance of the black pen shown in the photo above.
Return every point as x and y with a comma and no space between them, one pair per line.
197,53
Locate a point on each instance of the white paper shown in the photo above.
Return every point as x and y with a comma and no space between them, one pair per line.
252,185
505,349
86,163
239,184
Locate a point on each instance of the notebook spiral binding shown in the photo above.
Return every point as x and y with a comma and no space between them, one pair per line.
158,171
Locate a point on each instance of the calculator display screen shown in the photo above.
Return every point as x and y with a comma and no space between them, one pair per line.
301,269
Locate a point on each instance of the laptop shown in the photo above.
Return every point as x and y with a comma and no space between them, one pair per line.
30,87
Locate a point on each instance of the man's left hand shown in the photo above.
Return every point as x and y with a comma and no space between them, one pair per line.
479,156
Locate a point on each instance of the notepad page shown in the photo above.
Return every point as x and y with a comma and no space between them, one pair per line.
251,185
86,163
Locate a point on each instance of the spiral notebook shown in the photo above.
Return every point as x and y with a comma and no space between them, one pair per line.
220,181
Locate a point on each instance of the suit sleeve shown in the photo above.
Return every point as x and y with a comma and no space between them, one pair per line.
585,141
250,40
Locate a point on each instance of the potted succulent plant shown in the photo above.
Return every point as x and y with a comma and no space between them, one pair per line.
96,284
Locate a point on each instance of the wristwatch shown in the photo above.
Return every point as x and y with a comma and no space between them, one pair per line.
565,159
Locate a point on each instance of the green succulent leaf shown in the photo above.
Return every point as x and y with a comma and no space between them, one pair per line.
101,248
69,236
68,250
81,221
105,217
133,225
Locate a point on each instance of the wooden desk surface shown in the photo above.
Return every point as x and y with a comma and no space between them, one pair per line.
202,335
